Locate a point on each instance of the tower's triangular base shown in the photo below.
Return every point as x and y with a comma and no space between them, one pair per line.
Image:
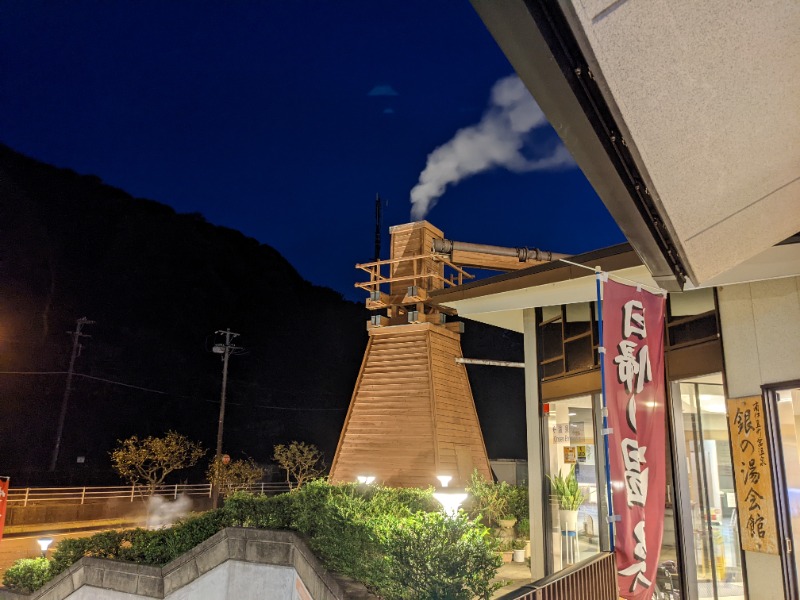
412,416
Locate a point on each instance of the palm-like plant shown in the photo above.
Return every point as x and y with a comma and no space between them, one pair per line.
566,490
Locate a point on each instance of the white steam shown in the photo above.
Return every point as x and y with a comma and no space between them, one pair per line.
497,141
162,512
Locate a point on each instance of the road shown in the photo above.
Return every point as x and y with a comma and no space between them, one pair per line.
25,546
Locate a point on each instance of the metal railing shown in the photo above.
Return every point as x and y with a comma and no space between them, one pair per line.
87,495
592,579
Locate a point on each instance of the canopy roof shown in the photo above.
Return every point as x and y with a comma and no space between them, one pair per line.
685,117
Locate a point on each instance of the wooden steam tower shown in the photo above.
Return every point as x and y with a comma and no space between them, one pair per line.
412,416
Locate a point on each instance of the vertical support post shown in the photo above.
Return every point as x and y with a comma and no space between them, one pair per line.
175,495
602,358
83,494
133,491
27,493
538,524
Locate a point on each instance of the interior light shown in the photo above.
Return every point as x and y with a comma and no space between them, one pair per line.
572,414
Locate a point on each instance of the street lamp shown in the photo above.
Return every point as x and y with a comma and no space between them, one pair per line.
44,544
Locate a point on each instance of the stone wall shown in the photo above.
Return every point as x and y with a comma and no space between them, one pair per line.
235,563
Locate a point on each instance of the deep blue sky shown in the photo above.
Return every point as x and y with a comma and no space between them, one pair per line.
258,115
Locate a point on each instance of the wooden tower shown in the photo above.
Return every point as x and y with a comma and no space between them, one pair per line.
412,416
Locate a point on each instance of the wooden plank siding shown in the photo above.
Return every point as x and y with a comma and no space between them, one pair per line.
412,416
413,239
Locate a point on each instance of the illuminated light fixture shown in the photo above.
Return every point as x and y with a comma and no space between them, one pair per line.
44,544
572,414
444,479
450,501
365,479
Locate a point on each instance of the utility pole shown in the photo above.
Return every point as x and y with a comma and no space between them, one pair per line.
225,349
76,346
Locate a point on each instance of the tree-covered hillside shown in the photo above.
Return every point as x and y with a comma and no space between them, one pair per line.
158,284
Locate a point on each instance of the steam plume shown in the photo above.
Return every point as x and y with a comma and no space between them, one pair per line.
496,141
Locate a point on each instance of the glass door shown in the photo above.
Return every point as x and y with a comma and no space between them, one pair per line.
572,451
788,411
712,500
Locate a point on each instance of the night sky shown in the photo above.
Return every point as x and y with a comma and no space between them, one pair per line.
283,119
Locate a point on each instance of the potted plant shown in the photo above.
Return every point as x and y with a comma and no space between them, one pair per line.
506,550
518,551
524,529
507,522
569,498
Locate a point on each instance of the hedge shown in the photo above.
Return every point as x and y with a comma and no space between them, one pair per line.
395,541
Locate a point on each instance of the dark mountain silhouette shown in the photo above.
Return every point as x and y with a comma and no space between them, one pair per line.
158,284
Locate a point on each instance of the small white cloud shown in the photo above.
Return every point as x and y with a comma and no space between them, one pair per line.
383,90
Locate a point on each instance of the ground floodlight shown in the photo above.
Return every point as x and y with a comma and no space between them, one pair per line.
450,501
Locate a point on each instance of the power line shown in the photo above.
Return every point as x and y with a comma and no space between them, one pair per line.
136,387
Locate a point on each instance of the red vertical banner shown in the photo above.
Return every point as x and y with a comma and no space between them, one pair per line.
3,503
633,338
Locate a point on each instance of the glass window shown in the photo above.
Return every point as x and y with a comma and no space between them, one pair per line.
714,522
789,422
571,444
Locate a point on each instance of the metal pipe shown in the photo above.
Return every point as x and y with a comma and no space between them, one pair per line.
523,254
491,363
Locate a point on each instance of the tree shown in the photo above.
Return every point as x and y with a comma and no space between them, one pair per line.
150,460
236,475
302,462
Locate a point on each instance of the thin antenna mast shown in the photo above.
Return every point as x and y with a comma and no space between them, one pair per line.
377,227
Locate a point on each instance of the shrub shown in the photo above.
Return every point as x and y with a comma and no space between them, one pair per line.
489,499
435,557
376,535
518,502
28,574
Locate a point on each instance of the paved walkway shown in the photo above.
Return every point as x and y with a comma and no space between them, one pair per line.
514,575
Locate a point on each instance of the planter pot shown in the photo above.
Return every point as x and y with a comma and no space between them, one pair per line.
507,556
506,523
568,520
518,556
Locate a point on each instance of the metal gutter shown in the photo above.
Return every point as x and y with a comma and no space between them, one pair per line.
536,37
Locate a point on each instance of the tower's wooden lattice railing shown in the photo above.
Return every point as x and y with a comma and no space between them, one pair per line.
409,306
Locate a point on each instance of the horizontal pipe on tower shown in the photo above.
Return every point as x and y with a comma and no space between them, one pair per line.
491,363
523,254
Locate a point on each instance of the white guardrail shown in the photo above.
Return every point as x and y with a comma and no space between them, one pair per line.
86,495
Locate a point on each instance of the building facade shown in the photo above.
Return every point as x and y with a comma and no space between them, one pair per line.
735,339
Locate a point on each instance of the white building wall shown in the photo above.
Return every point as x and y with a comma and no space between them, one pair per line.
760,334
232,579
761,342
